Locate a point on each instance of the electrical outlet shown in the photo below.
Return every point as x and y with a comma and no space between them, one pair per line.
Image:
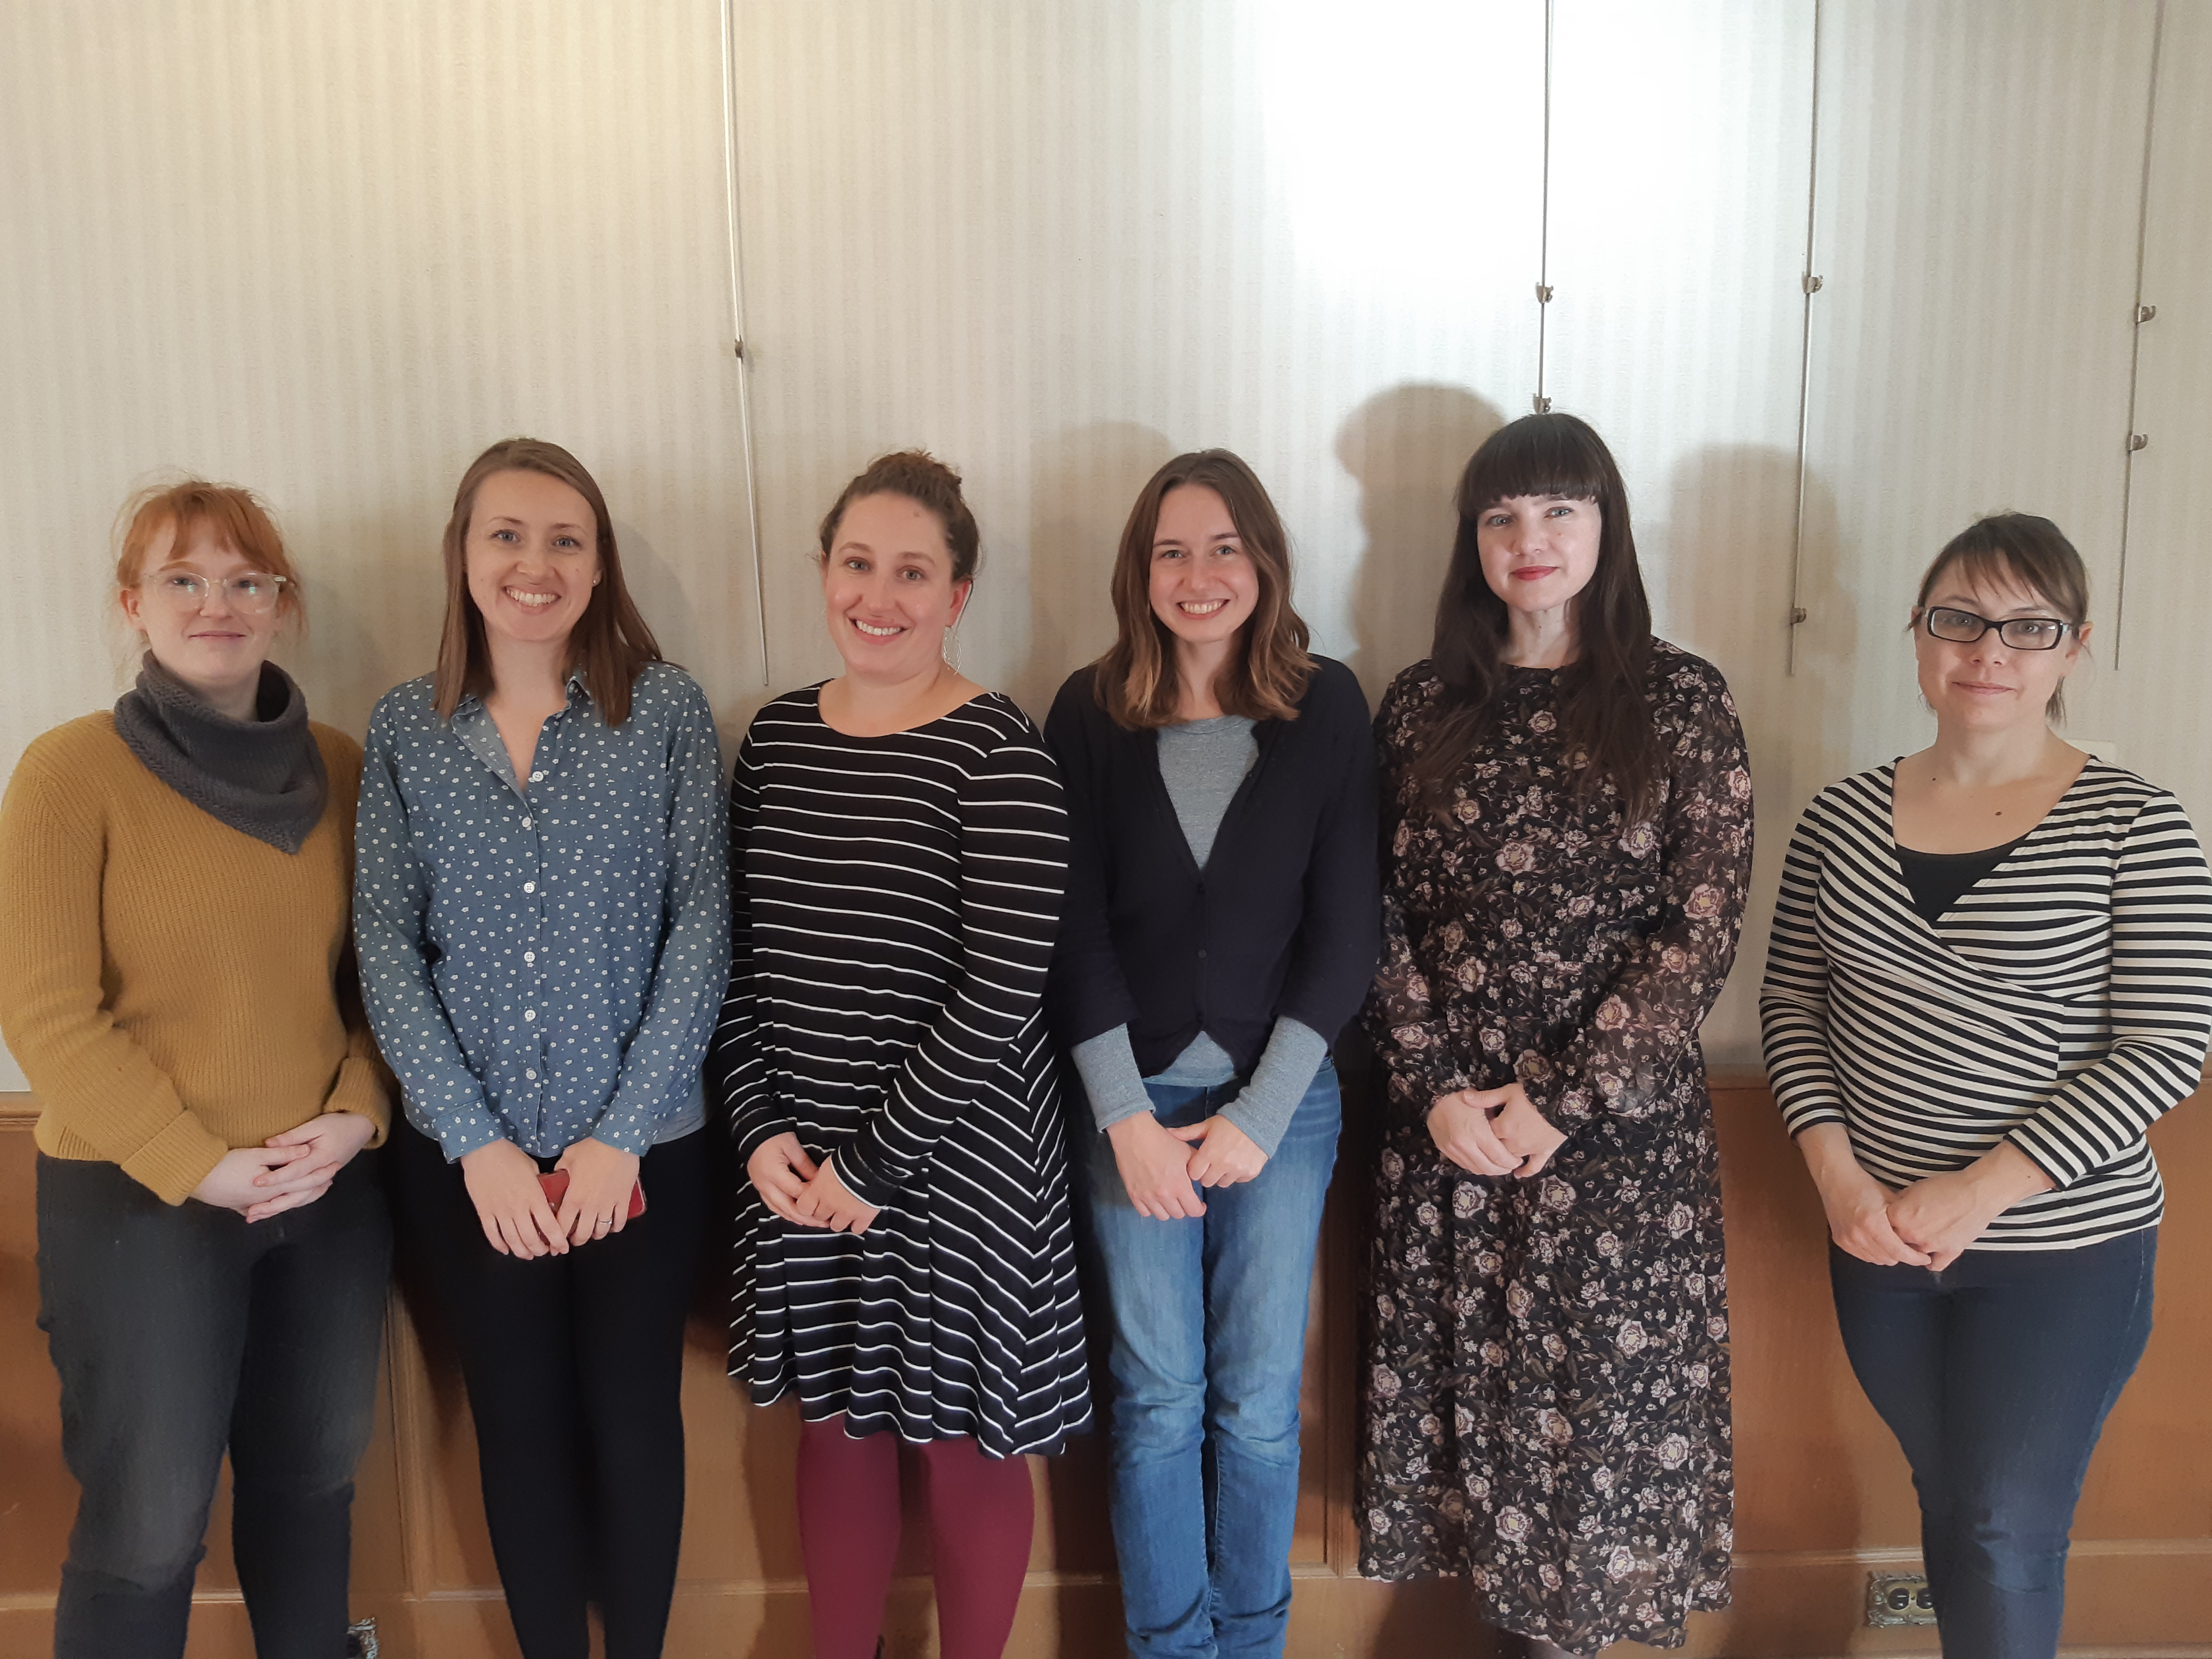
1899,1598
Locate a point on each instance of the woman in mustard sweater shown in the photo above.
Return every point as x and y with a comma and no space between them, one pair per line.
176,982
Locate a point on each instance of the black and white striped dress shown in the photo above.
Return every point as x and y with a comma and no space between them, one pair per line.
895,900
2064,1001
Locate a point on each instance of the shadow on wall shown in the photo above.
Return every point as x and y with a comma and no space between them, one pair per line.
1829,663
1082,481
1725,544
374,615
1406,448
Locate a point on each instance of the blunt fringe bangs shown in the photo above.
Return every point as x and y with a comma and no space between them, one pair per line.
1605,713
233,517
1135,681
2017,550
610,642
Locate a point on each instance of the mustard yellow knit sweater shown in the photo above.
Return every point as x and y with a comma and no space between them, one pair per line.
170,985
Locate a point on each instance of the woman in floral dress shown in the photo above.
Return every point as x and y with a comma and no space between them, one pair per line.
1568,811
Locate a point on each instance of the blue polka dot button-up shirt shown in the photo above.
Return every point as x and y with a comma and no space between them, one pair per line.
544,958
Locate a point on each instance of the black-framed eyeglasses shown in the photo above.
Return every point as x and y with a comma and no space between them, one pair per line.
1943,622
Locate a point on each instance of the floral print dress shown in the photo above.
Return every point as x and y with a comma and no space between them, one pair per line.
1547,1371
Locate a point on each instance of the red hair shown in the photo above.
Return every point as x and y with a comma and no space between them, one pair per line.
230,516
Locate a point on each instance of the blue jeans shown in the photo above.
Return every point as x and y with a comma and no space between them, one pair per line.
178,1331
1996,1377
1209,1343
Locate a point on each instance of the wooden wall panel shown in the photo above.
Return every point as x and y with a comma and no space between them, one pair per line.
1823,1496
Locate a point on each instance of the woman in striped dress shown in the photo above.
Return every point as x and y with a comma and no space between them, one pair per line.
1991,972
904,1262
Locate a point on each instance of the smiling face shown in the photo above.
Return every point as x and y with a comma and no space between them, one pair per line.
1204,584
214,648
1538,551
887,588
533,556
1987,685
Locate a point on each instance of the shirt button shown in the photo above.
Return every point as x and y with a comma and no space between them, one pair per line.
525,823
529,1013
531,887
531,1075
536,777
1201,955
530,956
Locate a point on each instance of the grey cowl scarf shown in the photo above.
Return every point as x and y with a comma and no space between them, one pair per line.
264,777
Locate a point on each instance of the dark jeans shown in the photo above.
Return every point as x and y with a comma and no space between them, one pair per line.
179,1330
1996,1377
574,1364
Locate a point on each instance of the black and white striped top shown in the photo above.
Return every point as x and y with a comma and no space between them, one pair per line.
894,902
2064,1001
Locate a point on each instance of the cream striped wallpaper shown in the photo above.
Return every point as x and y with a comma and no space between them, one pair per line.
333,249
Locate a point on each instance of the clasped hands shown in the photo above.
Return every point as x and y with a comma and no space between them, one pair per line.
511,1205
1493,1131
1928,1224
288,1170
1162,1169
803,1193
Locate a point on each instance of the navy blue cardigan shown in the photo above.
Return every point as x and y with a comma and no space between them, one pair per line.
1285,918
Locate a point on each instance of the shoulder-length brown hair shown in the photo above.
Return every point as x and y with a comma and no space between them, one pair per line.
610,642
1604,711
1136,682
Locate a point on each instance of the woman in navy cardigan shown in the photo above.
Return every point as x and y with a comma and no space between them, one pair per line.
1222,926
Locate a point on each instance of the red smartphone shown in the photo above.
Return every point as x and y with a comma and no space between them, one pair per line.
555,1183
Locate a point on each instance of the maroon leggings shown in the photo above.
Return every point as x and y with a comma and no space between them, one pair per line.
980,1511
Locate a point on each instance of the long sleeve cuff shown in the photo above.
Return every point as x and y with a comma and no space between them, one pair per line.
860,1174
360,1089
1108,1066
1264,1107
461,1132
177,1159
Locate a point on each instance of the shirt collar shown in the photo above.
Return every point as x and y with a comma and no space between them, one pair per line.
576,685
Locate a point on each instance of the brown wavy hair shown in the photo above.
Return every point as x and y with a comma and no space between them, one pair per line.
1136,682
1604,711
610,642
2021,549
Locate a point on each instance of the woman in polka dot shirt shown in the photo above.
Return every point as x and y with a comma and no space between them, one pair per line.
542,906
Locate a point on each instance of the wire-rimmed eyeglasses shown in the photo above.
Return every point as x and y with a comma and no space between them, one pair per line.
255,593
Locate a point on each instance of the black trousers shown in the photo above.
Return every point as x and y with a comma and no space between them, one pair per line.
574,1364
178,1331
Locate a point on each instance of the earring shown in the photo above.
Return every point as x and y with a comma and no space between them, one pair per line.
950,648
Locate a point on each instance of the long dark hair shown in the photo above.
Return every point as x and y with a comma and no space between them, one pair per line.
610,642
1604,712
1136,680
